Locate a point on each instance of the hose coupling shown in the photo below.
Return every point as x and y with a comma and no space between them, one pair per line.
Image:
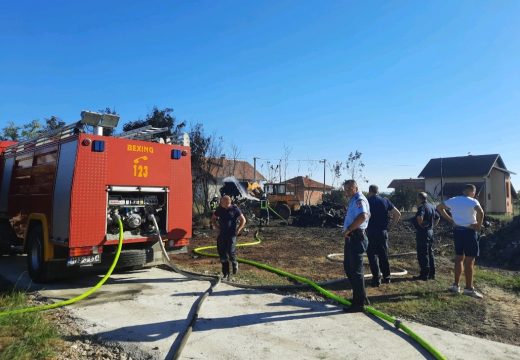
397,323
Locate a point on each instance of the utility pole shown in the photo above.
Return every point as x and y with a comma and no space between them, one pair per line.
442,185
254,171
324,161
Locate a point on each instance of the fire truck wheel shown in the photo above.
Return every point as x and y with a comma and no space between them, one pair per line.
35,264
284,210
132,259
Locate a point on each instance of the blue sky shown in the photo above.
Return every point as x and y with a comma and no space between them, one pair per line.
400,81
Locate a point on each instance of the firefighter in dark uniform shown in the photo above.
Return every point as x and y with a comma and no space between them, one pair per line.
356,243
230,221
381,211
425,220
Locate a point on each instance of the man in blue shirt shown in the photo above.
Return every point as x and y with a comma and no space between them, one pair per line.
356,242
230,221
381,211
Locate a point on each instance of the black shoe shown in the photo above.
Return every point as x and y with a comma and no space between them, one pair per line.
420,277
375,282
354,309
225,269
386,280
235,268
431,277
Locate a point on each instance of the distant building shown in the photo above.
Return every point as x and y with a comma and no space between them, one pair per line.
487,172
308,191
411,184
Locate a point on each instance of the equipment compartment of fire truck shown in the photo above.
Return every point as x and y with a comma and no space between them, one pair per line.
62,193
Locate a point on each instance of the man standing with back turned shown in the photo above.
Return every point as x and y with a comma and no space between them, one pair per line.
356,243
381,210
425,220
466,217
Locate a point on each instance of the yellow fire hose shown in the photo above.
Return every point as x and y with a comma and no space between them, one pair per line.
79,297
396,322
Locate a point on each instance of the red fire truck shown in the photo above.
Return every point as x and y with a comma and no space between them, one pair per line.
62,192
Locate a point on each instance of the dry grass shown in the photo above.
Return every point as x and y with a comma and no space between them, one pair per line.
303,251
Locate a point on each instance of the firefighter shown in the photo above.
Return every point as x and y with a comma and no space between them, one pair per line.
356,243
381,211
425,220
230,221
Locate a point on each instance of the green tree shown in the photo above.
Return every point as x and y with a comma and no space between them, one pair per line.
355,166
10,132
205,150
159,119
53,123
336,197
31,130
404,198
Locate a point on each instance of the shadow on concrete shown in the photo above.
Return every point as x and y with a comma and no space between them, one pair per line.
386,326
260,318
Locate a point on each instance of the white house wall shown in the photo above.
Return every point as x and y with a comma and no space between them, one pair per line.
497,191
433,185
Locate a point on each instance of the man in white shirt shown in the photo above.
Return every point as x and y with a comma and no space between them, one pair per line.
466,217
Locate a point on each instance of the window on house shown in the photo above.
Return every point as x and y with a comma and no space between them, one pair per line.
489,196
508,189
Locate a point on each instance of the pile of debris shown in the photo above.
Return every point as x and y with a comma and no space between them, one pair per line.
323,215
502,246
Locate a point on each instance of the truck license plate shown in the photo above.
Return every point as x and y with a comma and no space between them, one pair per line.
84,260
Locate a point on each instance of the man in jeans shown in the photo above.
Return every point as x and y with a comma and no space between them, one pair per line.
230,221
356,242
466,217
381,211
425,219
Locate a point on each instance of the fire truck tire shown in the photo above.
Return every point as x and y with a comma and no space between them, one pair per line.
284,210
38,269
132,259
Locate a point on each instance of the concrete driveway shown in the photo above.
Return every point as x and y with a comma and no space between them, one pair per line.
145,311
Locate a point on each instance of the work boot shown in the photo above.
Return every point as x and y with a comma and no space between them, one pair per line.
375,282
225,269
235,268
421,277
354,309
386,280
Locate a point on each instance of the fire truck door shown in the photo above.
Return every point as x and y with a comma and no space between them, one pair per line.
62,190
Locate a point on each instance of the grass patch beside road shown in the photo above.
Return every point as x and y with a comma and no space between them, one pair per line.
501,279
25,336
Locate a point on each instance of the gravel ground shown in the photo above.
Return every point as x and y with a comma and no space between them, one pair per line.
76,344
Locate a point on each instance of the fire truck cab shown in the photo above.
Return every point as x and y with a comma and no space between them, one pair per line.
62,193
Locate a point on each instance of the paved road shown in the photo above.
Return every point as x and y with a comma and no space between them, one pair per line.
146,310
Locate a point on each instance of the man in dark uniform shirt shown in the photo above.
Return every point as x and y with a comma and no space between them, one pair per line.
225,219
425,219
381,211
